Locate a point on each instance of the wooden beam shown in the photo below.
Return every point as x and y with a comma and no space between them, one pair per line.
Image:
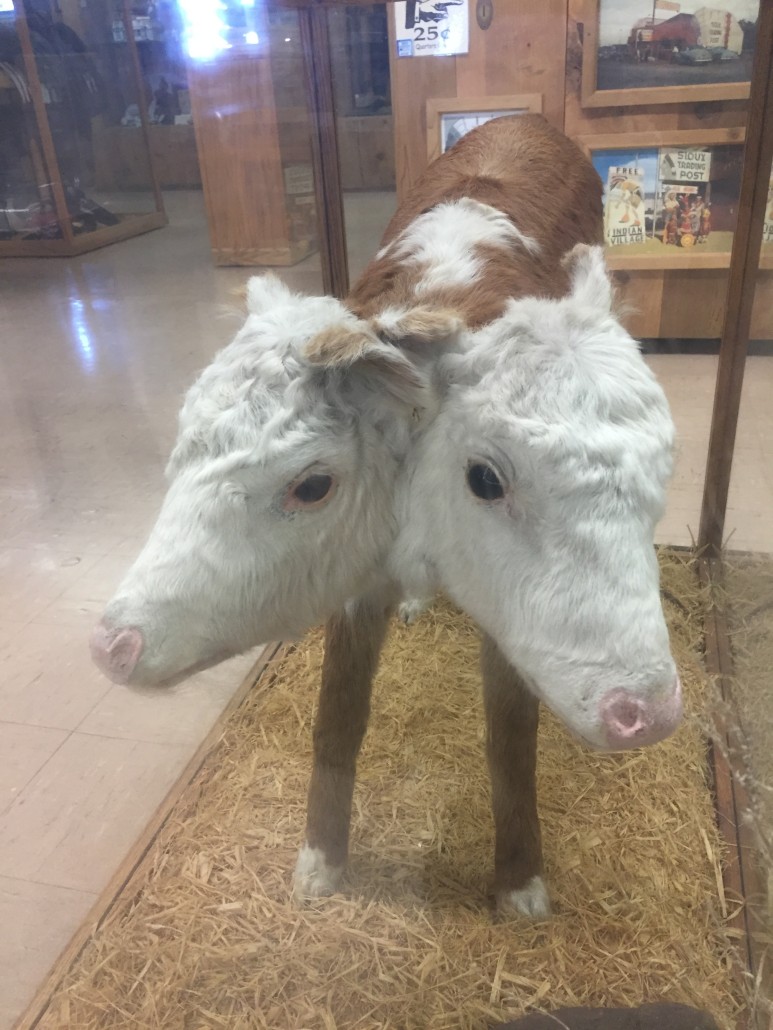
142,106
744,263
318,73
54,175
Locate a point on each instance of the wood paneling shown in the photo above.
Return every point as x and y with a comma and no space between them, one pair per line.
521,52
693,302
639,296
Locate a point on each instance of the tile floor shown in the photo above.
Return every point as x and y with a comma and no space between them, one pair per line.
95,354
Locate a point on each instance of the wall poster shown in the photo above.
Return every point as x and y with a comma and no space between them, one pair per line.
670,199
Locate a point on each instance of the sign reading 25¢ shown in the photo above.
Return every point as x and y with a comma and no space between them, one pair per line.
425,28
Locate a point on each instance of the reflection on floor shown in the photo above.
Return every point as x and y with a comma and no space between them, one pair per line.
96,353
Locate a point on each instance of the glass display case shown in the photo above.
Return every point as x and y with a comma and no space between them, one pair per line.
427,903
70,79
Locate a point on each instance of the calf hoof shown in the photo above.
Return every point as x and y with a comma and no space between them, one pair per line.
531,901
409,611
313,877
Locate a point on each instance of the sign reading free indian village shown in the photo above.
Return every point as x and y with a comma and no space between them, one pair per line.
426,28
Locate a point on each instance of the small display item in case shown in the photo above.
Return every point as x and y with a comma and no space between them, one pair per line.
62,83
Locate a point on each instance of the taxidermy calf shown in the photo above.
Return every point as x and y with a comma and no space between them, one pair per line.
472,419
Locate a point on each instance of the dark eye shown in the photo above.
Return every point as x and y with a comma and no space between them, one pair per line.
313,488
484,482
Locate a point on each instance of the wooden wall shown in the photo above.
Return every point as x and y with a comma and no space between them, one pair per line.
677,303
536,48
522,52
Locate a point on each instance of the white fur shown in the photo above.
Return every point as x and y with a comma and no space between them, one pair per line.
531,901
443,243
410,610
562,573
225,568
313,877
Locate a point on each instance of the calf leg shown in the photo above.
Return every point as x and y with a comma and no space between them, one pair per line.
512,717
353,643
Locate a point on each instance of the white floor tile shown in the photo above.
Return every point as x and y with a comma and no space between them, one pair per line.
37,923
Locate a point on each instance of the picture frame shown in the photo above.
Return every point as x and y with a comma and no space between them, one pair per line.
659,61
448,119
656,184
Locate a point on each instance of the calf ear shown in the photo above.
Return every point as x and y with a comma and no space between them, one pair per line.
357,352
265,291
590,282
417,325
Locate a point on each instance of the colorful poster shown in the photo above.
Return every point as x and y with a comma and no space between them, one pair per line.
683,216
669,200
425,28
629,178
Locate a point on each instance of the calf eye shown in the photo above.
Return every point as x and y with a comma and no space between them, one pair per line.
313,488
484,482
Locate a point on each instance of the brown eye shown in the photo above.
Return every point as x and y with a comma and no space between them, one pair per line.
313,488
484,482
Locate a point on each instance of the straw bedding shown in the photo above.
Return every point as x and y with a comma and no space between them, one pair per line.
207,936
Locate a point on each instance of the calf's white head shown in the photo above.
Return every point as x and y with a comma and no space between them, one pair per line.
535,493
279,507
521,468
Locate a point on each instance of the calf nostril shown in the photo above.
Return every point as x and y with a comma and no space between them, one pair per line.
624,716
632,721
116,651
626,712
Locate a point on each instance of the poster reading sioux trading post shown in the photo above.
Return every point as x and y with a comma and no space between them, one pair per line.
432,27
683,216
671,197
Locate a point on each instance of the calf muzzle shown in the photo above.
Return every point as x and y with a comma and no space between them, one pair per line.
116,651
630,721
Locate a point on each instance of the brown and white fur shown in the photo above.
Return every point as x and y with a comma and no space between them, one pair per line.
474,420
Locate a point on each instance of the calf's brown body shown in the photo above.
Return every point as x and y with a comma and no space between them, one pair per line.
549,191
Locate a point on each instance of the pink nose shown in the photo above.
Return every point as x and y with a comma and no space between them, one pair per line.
116,651
631,721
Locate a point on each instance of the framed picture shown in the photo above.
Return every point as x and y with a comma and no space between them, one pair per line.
450,119
670,198
666,51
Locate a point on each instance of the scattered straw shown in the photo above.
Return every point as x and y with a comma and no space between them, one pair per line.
208,937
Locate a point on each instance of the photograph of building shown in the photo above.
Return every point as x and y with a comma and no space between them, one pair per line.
674,42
